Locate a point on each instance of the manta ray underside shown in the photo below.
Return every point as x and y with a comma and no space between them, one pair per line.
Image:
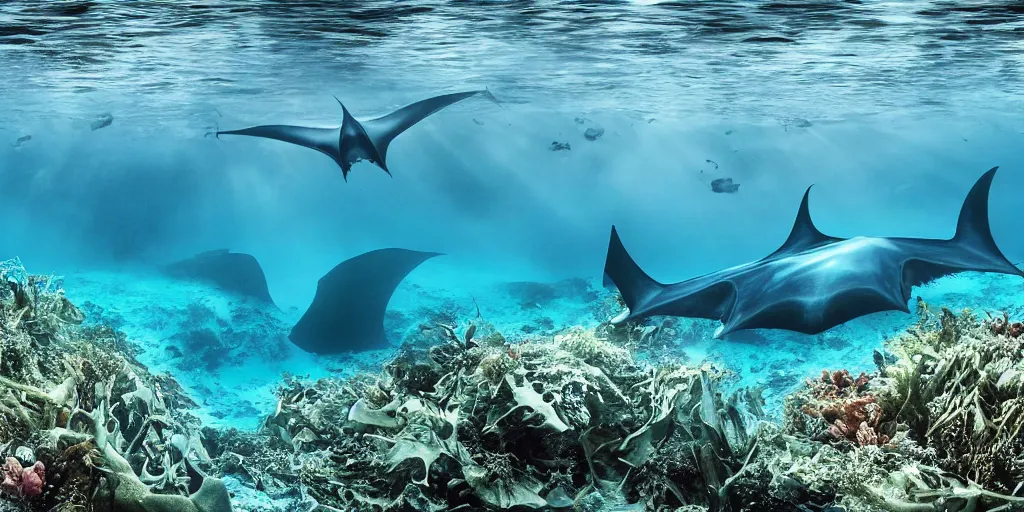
233,272
358,140
814,281
347,313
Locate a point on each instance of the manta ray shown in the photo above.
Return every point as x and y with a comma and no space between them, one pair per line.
814,281
233,272
347,313
357,140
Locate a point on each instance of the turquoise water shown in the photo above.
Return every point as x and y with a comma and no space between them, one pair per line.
891,109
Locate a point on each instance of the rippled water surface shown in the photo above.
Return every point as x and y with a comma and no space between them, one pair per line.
775,58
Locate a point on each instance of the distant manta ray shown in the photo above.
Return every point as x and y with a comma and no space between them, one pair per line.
815,282
347,312
354,140
233,272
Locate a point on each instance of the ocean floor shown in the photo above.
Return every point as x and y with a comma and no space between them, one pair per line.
503,395
230,355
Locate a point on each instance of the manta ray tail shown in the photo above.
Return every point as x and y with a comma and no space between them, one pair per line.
972,228
621,271
347,313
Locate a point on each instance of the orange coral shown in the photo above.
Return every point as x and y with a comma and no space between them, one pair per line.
1000,326
839,399
838,384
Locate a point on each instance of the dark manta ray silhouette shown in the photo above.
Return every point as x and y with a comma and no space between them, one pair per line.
815,281
354,140
233,272
347,313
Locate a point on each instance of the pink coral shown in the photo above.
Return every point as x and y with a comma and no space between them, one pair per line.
19,481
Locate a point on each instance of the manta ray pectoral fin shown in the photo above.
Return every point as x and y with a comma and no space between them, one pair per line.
635,286
973,231
384,129
324,140
347,312
805,234
233,272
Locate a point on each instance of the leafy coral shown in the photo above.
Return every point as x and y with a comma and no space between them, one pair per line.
463,419
481,423
112,435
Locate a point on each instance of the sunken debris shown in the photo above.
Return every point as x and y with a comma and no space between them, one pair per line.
559,146
101,121
724,186
21,141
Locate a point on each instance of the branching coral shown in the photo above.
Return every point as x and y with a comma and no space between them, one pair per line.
968,378
477,422
950,399
95,417
462,419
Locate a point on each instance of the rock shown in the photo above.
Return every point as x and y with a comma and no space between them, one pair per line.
593,133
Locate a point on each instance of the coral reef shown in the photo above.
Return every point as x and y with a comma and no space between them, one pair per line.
465,418
462,419
104,433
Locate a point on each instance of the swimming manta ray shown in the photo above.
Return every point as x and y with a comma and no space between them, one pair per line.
233,272
347,313
357,140
815,281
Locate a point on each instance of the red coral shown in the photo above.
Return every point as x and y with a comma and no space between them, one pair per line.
869,436
838,384
1000,326
853,419
19,481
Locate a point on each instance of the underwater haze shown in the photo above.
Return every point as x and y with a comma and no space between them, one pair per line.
692,127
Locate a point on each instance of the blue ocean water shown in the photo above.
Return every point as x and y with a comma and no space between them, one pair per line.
890,109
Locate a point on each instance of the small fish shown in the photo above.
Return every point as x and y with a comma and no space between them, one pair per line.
21,140
724,186
651,120
593,133
102,121
728,132
478,122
